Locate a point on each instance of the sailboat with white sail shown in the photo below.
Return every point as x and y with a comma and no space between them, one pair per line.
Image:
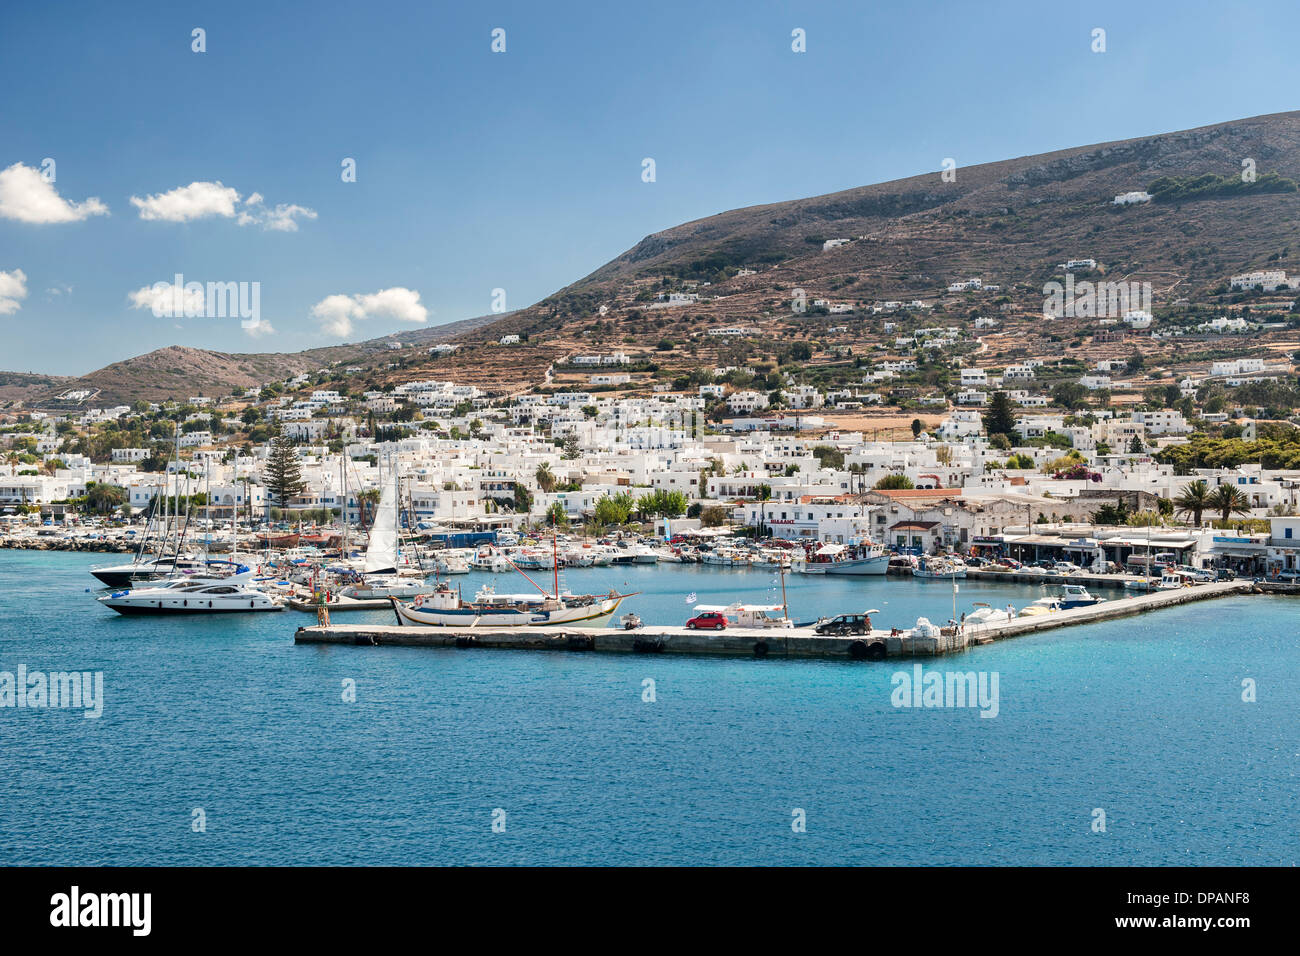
380,577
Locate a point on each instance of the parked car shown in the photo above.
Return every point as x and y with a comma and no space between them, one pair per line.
709,620
1290,575
1196,574
845,624
1066,567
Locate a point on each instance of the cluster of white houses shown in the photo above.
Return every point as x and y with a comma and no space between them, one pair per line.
472,463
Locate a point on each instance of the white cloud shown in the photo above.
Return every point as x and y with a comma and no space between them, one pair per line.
186,203
338,312
279,219
201,200
13,286
167,299
259,330
26,196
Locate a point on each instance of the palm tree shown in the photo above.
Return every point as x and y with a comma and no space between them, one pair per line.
1194,500
545,479
1228,500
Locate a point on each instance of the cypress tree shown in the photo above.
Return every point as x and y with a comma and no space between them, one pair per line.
282,475
999,419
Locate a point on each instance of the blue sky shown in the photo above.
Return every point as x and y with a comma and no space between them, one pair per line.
522,170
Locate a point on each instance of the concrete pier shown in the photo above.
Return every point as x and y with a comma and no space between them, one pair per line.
752,642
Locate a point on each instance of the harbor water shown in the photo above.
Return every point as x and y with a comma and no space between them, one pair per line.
221,742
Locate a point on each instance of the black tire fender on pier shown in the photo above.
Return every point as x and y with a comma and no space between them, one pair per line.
760,648
858,650
876,651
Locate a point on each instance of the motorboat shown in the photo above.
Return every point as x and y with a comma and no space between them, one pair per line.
197,594
380,586
636,554
155,569
488,558
841,559
945,568
451,562
750,615
726,558
1076,595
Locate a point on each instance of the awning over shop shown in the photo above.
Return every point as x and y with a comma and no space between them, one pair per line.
1155,545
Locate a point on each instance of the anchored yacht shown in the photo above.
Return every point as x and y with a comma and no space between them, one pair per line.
194,595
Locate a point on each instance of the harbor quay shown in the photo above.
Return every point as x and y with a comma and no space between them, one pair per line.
767,642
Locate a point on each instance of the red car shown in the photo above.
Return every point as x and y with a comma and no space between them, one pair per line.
709,619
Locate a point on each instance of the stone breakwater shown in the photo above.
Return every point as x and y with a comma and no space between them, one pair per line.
12,542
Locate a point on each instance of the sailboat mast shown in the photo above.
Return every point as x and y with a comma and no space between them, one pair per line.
555,556
785,606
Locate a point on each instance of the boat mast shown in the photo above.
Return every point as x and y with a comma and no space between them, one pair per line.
207,508
343,511
785,607
555,556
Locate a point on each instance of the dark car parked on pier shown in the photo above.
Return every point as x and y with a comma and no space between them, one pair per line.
845,624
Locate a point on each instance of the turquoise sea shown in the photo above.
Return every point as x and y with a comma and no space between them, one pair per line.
1142,718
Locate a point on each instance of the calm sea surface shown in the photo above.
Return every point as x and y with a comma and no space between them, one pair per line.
1142,718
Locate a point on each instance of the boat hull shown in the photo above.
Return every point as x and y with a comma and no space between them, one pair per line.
872,565
593,615
144,610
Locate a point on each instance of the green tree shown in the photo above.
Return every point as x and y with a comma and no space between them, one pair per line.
103,499
1000,419
669,504
714,516
613,509
1115,514
283,473
545,477
1193,500
1228,500
829,456
917,427
894,483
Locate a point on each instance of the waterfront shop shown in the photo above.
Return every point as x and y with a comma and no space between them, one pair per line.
1245,555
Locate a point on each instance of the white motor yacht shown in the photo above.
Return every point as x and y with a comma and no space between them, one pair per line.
194,595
